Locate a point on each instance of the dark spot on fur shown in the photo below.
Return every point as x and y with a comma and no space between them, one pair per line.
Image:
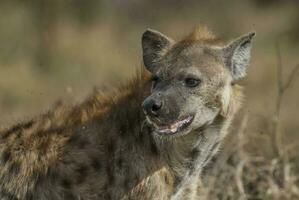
96,164
66,183
110,175
43,147
6,156
177,181
82,143
82,173
74,138
126,183
68,195
111,146
6,195
19,133
79,141
108,196
140,136
166,179
50,131
28,125
18,127
29,196
119,163
14,168
154,148
136,177
195,153
122,129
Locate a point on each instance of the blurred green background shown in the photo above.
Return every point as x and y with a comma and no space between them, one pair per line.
61,49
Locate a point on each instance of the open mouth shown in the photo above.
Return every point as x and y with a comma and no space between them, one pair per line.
173,128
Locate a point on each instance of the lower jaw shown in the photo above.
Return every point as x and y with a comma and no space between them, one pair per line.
183,131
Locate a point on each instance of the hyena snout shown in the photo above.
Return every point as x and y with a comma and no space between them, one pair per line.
152,105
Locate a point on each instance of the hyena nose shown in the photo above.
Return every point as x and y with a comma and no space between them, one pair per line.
152,106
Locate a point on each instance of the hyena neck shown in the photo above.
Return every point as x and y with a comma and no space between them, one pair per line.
186,156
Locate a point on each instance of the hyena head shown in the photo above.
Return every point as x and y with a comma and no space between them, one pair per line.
192,79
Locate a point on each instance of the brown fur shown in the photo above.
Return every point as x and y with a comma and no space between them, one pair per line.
100,149
203,35
31,148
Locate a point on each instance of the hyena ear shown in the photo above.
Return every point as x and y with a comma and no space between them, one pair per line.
154,46
237,55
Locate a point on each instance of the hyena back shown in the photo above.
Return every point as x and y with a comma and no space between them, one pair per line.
149,140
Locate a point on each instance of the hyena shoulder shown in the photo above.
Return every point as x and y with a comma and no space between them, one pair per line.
55,152
29,149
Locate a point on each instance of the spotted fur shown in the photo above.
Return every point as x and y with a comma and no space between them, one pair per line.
104,148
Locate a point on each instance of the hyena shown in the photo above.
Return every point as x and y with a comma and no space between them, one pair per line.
149,140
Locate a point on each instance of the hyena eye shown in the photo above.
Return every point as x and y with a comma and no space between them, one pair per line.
155,80
192,82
